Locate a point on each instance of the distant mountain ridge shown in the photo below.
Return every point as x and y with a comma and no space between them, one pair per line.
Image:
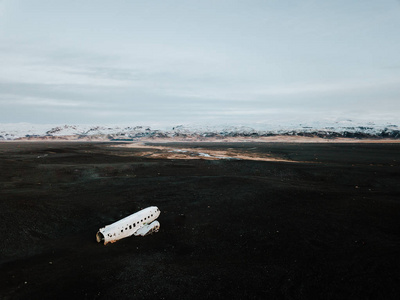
326,130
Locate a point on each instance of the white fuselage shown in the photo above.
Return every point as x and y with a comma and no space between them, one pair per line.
130,225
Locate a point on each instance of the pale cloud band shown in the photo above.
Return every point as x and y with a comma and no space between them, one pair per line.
186,61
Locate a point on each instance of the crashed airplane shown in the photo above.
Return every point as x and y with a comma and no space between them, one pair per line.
140,223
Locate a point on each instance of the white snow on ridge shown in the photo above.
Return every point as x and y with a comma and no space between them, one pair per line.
12,131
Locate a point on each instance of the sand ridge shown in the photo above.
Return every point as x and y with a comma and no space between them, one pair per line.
195,139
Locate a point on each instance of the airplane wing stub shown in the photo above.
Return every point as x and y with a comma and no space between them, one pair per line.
148,229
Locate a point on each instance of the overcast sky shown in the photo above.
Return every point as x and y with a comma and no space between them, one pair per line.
182,61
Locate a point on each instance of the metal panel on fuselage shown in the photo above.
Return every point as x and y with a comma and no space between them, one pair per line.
129,225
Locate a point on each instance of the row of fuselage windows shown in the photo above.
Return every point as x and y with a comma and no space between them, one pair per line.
130,226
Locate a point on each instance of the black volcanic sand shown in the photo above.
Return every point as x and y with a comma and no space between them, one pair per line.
325,229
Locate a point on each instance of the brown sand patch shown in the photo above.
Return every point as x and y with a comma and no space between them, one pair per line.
165,152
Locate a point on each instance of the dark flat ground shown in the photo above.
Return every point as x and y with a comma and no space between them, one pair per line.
325,229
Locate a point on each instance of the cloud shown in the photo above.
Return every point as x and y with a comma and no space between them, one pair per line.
239,61
12,100
332,87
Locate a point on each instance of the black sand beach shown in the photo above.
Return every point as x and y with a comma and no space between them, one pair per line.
322,223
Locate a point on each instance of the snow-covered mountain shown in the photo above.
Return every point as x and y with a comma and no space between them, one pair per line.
322,129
